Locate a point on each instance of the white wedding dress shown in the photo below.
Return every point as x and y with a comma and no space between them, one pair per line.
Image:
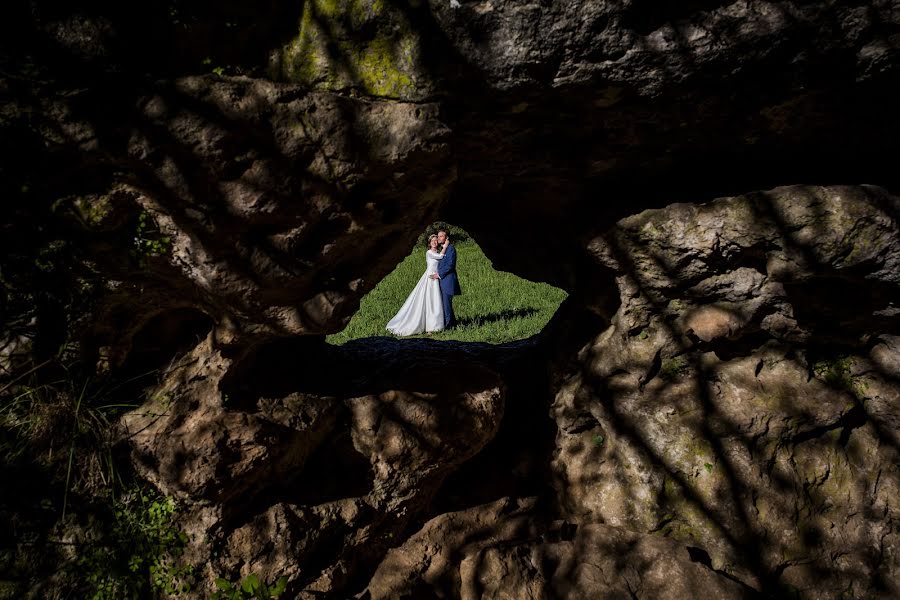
423,310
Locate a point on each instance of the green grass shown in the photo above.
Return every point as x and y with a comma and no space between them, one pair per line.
494,307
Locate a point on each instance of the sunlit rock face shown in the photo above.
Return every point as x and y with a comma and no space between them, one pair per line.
745,397
714,410
496,550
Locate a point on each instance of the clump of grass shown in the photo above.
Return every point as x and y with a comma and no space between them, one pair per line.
64,426
494,307
57,432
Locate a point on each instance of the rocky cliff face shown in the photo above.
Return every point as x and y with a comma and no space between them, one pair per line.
737,399
713,411
731,429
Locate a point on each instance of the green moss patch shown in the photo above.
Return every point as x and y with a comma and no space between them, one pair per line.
365,45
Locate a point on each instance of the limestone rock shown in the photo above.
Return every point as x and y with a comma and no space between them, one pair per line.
431,561
310,487
716,427
758,262
191,446
292,177
498,551
295,194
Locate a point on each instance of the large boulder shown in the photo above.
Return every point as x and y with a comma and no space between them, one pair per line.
727,432
731,404
314,488
498,551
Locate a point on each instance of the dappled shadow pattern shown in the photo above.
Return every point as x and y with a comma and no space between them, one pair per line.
710,412
779,460
259,191
334,479
214,174
262,188
505,549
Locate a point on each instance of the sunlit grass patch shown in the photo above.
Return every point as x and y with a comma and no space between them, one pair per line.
494,307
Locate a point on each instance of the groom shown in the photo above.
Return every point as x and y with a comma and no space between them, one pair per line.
447,275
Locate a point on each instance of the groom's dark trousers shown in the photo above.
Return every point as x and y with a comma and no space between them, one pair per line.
449,284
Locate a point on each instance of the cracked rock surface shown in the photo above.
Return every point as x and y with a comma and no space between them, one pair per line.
720,435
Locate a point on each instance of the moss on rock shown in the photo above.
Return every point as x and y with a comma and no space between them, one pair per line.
674,368
353,44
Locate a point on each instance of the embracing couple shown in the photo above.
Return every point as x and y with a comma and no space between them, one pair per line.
429,307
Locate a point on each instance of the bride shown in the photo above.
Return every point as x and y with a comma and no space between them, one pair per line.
422,310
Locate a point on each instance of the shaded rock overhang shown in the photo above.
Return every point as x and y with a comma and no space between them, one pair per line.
287,193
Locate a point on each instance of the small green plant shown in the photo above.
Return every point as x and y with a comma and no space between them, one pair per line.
597,440
708,467
251,587
837,373
644,334
207,62
147,238
141,554
49,256
673,368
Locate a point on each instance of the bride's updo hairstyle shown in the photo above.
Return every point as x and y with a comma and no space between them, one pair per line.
433,236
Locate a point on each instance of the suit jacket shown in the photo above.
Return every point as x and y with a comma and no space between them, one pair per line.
447,273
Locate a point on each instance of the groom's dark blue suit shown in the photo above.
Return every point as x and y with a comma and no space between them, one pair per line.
449,284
